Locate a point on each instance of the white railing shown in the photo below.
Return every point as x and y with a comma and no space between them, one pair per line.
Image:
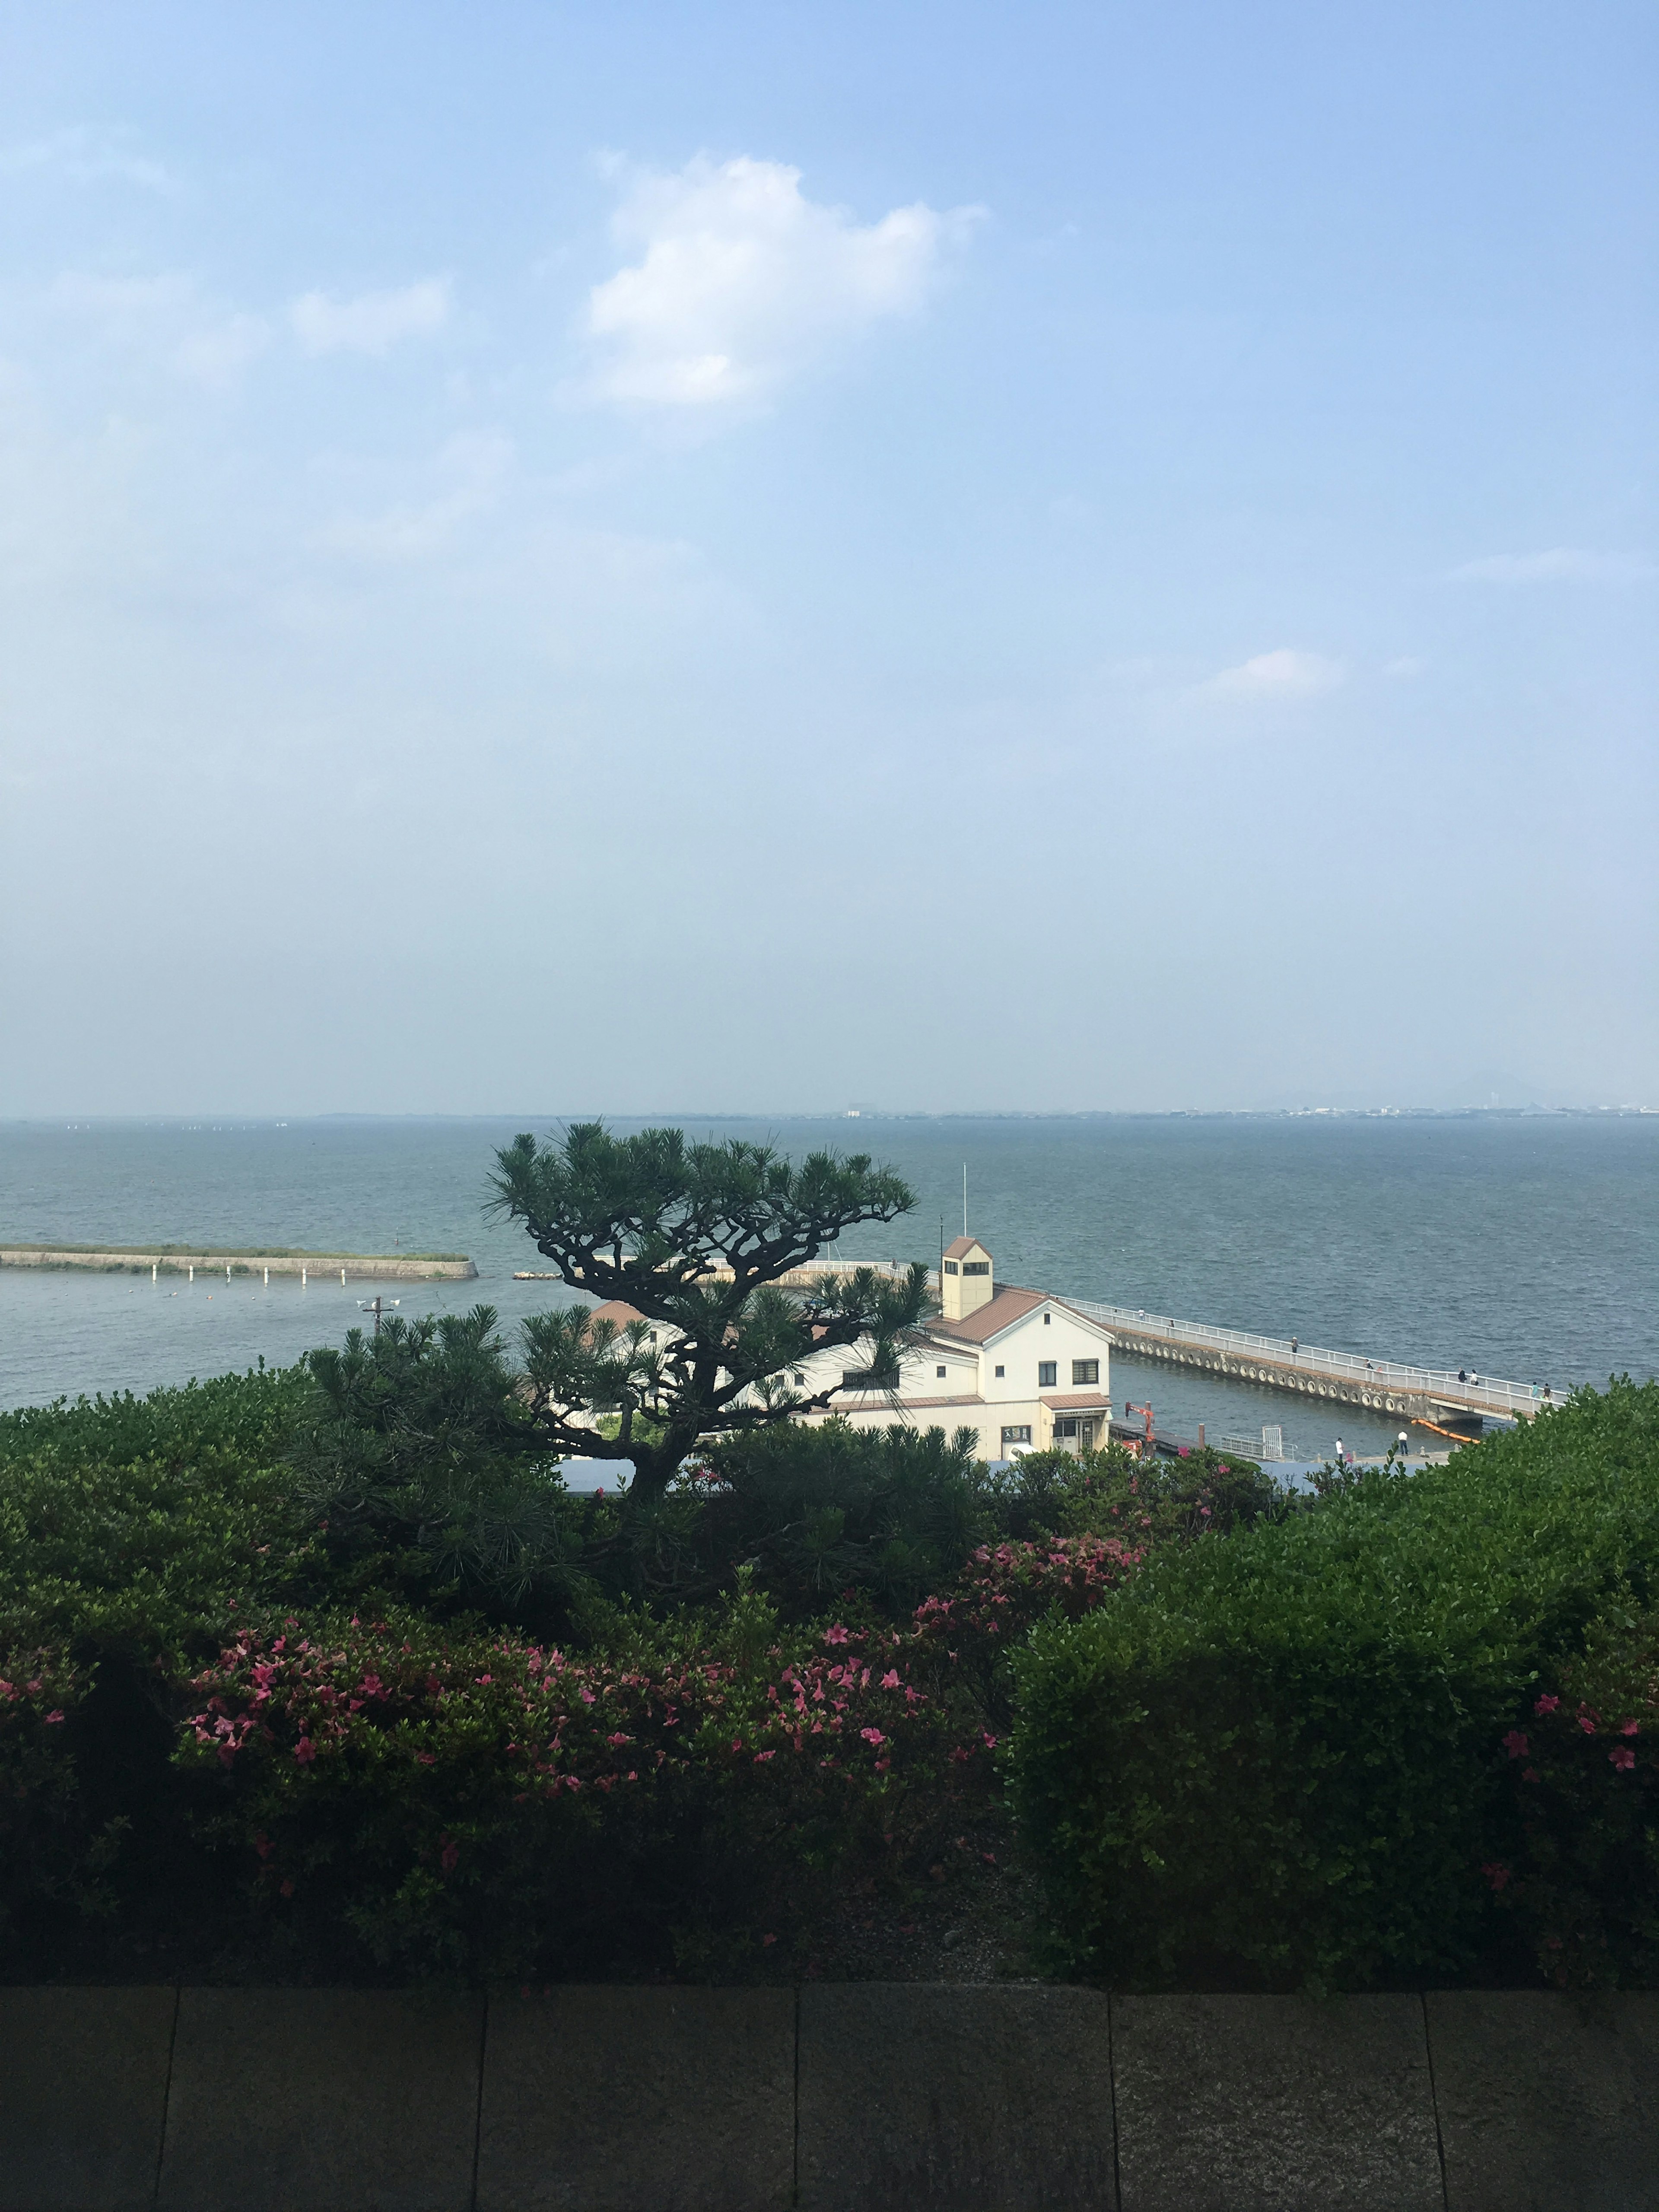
1482,1394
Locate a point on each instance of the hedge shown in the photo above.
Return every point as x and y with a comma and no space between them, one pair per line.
1278,1759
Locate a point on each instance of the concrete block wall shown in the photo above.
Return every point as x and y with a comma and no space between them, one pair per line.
848,2097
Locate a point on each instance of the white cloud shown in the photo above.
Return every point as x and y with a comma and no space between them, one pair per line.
1282,674
167,318
1562,563
469,472
217,354
86,157
124,307
374,321
741,280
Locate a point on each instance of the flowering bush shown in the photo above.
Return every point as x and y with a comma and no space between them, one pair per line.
488,1805
1581,1874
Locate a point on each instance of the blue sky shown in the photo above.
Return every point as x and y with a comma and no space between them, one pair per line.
722,557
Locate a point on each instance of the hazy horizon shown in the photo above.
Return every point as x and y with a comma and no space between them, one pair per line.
1094,559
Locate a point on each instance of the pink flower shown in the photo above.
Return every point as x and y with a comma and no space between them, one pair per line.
1630,1728
618,1738
1496,1875
52,1717
835,1635
1530,1774
889,1680
872,1735
1587,1723
1516,1744
1547,1704
262,1844
305,1750
427,1758
1623,1758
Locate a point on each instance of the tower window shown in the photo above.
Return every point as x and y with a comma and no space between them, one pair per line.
1047,1318
1046,1370
940,1372
975,1268
1001,1372
950,1266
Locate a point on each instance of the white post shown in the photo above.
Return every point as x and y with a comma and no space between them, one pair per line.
343,1279
267,1278
152,1271
302,1279
192,1272
226,1271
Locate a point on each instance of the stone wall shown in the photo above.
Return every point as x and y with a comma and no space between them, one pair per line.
846,2097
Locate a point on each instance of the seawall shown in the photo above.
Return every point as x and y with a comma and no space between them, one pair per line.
175,1260
832,2098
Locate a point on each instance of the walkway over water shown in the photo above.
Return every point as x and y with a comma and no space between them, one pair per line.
1348,1378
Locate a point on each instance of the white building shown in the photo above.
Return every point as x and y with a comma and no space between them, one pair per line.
1025,1370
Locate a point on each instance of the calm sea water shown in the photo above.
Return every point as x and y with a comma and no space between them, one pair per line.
1527,1248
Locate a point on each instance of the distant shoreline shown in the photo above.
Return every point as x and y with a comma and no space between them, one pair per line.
284,1260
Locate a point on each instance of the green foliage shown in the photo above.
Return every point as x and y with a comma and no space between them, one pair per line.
1271,1760
417,1441
133,1528
828,1510
694,1237
430,1802
1580,1872
1111,1493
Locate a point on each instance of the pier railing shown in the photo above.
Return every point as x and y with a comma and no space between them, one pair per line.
1483,1394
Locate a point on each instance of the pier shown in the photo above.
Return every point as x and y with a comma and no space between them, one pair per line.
185,1260
1346,1378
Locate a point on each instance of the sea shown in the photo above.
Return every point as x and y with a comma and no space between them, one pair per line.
1524,1246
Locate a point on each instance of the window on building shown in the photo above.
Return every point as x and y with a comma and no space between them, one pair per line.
1046,1372
950,1266
939,1373
1001,1372
869,1378
975,1266
799,1378
1047,1319
1085,1371
1065,1428
1020,1436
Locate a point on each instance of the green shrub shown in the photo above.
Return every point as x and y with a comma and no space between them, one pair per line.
1274,1760
824,1509
1580,1871
427,1801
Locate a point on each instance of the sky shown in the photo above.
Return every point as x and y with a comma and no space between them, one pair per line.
753,557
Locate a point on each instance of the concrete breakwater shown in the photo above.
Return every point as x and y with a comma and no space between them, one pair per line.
850,2096
183,1260
1348,1378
